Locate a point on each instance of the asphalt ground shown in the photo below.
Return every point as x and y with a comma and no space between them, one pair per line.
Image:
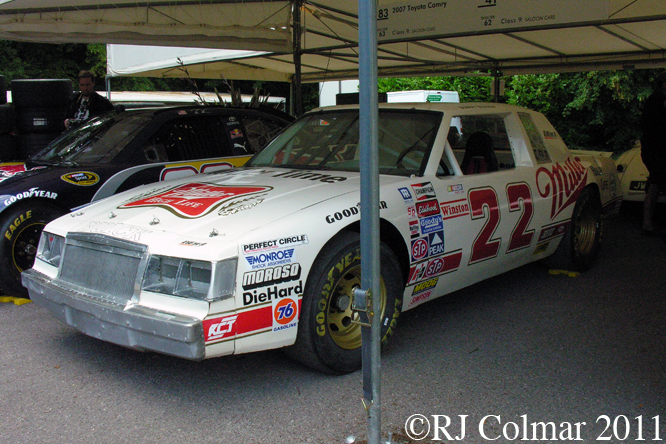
574,353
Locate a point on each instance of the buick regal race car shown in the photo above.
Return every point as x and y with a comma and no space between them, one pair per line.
113,153
268,255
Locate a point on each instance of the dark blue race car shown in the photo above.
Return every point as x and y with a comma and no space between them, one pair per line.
114,153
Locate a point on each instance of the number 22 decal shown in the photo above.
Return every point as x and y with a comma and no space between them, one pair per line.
485,199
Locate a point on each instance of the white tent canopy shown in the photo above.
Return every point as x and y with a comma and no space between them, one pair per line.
447,37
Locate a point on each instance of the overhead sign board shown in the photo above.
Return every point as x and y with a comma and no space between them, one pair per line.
428,18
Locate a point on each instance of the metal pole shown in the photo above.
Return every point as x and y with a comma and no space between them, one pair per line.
297,102
368,128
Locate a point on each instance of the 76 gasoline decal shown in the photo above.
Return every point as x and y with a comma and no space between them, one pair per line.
285,311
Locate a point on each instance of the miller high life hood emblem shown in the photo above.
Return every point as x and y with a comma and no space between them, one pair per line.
194,200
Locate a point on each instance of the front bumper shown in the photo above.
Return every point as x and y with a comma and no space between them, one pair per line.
132,326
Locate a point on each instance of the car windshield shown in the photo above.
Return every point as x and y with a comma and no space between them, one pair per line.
97,141
328,140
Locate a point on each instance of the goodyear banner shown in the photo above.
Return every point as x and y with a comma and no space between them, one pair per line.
428,18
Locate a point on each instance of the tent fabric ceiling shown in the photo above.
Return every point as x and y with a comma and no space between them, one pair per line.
592,35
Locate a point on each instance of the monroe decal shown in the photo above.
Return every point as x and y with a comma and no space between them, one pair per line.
194,200
563,183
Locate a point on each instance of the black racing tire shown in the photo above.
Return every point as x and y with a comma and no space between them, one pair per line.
582,241
327,340
21,226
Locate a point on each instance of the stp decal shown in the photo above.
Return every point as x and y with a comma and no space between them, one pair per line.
194,200
81,178
563,184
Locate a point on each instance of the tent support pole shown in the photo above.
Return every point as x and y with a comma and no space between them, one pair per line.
297,98
370,268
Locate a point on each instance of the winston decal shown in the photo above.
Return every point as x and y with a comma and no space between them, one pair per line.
194,200
563,184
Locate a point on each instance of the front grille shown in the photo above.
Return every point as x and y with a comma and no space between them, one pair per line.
102,266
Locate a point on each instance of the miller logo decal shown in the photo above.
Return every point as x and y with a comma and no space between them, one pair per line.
194,200
563,183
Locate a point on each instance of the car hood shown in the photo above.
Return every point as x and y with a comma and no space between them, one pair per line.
227,204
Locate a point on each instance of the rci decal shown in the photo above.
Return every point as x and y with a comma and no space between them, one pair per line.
81,178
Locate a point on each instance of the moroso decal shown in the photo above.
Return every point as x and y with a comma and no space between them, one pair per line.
564,183
271,276
434,267
424,191
196,199
81,178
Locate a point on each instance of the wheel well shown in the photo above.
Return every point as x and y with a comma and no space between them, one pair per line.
390,235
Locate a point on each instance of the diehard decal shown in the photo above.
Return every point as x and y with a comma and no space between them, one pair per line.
81,178
194,200
268,294
563,184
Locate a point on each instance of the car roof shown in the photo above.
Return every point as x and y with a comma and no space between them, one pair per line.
210,109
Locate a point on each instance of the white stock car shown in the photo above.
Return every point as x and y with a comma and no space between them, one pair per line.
268,255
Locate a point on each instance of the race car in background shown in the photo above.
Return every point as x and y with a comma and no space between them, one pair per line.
633,175
268,255
113,153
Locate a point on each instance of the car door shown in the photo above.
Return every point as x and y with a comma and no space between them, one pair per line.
490,208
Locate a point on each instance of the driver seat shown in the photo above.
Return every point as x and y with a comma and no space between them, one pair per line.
479,155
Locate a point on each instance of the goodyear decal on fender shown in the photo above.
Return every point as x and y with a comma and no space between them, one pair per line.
81,178
194,200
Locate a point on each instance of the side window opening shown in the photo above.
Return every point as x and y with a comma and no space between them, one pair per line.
483,145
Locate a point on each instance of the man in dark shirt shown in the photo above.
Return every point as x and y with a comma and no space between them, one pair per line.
87,103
